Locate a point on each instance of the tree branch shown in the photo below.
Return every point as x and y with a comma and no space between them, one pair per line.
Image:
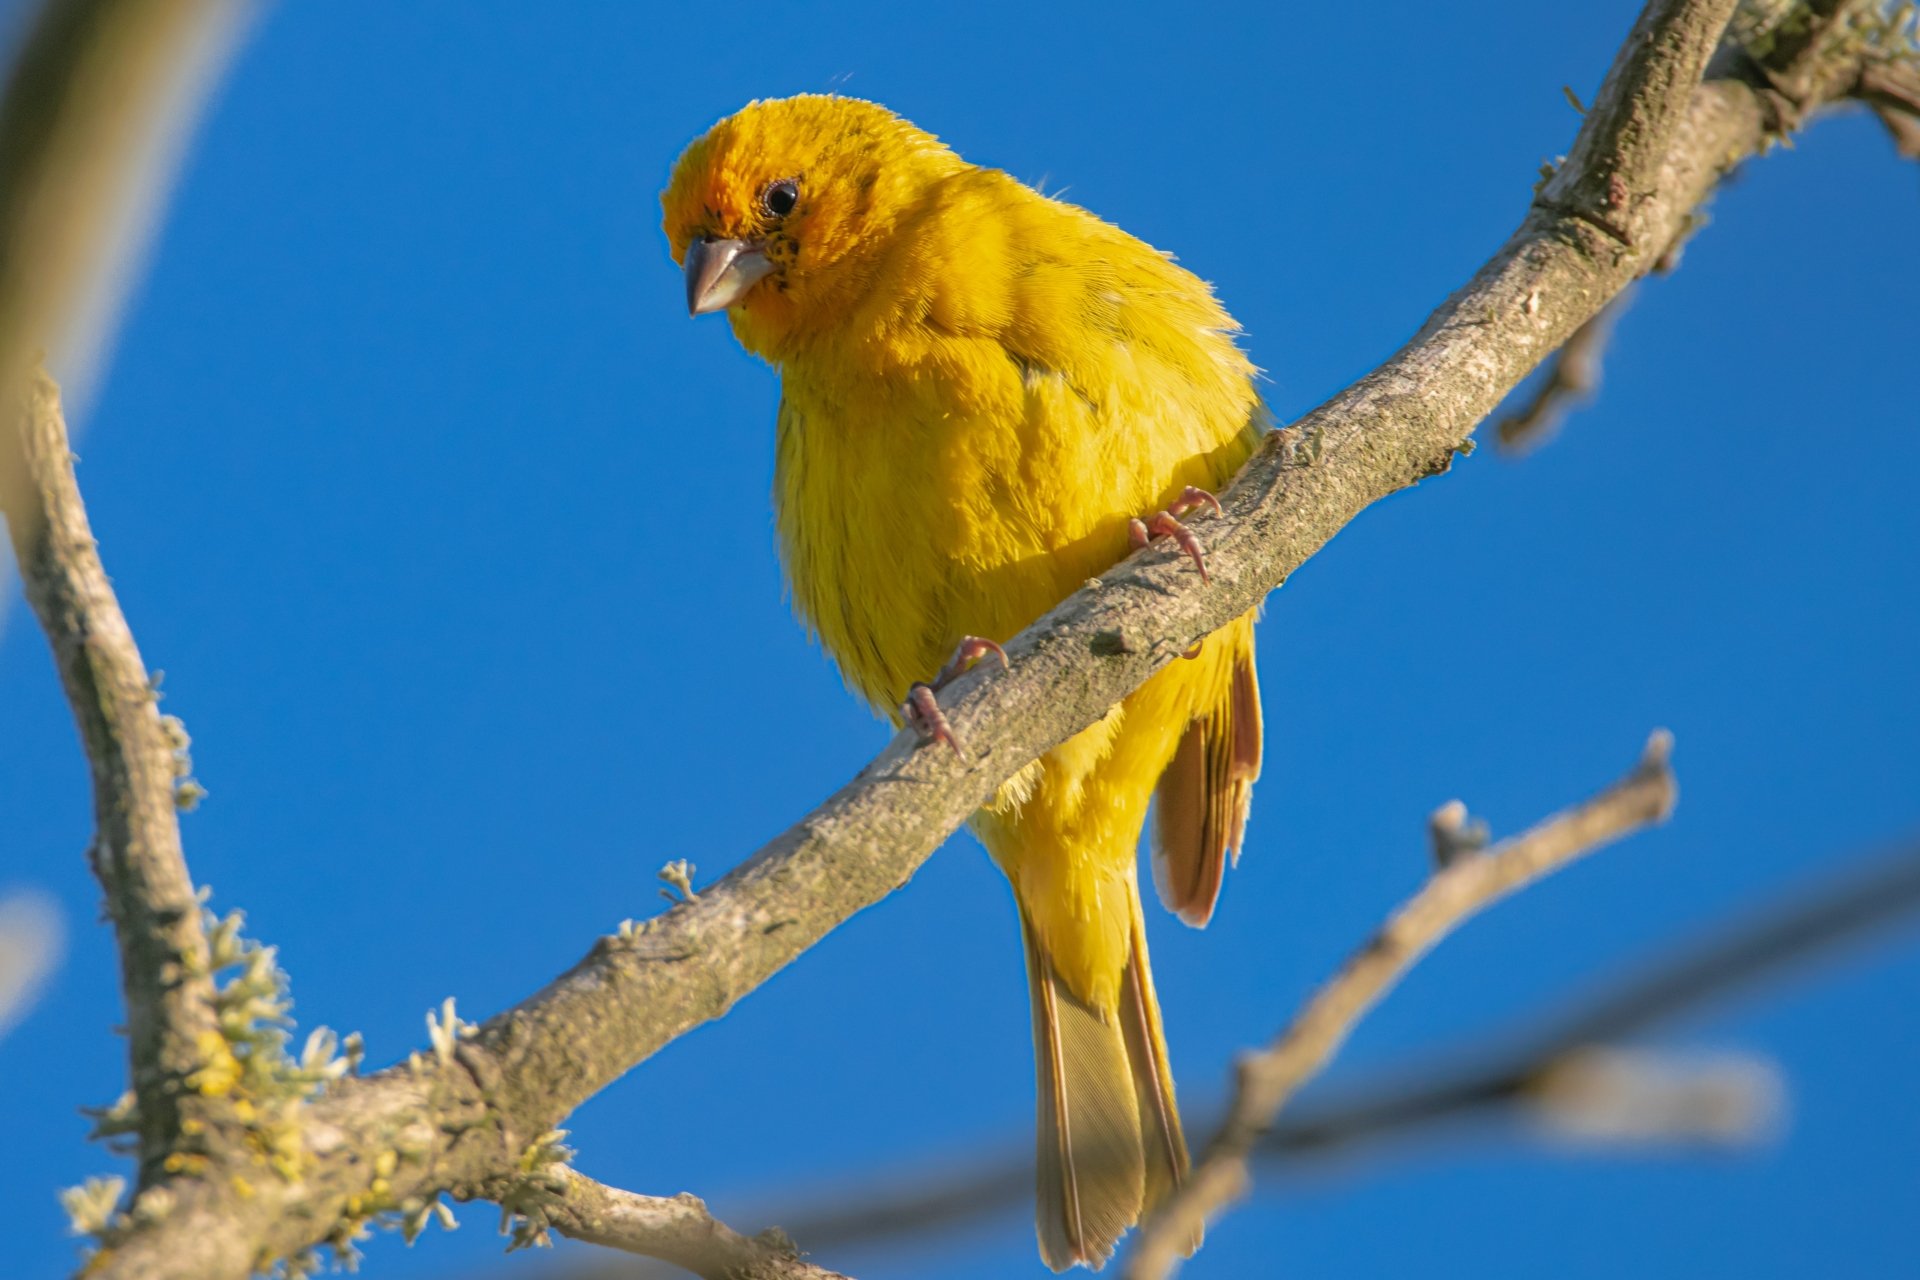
136,756
1806,923
1466,885
1616,160
675,1229
459,1117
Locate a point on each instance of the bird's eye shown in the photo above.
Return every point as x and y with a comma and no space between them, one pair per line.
780,197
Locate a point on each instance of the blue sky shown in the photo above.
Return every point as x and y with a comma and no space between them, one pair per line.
452,535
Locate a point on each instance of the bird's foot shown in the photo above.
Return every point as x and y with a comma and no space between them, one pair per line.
1167,524
922,707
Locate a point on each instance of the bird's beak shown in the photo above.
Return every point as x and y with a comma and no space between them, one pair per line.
719,271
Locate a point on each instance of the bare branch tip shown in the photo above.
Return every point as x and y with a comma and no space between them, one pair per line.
1454,834
1659,751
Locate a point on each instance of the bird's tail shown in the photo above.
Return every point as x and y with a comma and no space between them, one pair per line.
1110,1147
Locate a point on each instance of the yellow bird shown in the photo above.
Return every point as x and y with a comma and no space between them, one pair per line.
987,397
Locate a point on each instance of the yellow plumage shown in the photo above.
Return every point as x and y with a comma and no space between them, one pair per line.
981,386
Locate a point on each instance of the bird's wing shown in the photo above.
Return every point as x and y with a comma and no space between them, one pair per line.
1202,800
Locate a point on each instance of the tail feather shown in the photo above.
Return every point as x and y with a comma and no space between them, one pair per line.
1164,1143
1109,1143
1088,1153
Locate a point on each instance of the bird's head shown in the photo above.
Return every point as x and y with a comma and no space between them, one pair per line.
781,212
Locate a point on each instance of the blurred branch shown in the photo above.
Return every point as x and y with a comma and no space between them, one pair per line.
1466,884
91,120
1613,1095
459,1118
31,937
1807,923
135,754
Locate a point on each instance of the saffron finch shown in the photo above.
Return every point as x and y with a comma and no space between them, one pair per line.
987,397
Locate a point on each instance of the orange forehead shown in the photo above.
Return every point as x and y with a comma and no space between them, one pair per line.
717,182
713,185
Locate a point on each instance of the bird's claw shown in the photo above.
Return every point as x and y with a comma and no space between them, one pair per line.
1192,498
922,707
969,651
1167,524
922,711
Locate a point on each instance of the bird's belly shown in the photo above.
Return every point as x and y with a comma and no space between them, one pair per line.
900,543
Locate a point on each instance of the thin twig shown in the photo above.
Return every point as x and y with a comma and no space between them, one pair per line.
134,754
674,1229
1466,886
